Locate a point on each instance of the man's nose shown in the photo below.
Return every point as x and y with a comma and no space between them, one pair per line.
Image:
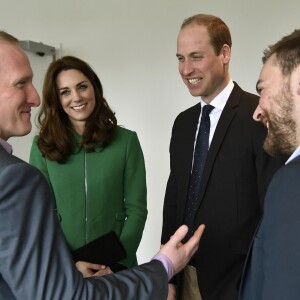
257,115
187,67
34,98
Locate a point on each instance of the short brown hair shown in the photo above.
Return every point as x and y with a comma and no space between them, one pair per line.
218,31
287,51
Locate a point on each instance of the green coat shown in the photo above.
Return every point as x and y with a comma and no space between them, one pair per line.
100,191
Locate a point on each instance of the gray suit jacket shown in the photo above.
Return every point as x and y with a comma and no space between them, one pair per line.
34,260
272,270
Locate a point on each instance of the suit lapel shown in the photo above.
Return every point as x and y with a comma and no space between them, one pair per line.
187,156
227,116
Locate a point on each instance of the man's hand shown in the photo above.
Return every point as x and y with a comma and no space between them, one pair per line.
180,254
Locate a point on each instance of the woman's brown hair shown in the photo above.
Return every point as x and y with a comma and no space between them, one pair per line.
56,140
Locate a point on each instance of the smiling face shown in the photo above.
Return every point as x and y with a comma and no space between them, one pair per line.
204,72
77,97
276,109
17,93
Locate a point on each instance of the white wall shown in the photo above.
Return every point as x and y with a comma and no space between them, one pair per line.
131,44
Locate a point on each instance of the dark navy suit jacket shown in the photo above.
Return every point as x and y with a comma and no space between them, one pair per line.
272,270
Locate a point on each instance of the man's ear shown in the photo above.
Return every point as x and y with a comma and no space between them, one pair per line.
226,53
297,80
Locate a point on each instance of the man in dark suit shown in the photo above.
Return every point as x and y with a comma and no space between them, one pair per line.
272,270
236,171
34,260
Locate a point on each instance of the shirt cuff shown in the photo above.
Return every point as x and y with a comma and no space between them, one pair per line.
166,263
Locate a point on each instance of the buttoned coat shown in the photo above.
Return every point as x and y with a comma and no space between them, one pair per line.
101,191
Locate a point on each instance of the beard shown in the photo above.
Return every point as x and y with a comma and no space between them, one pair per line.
281,138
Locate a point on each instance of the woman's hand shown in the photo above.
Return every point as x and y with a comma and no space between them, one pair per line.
88,269
172,292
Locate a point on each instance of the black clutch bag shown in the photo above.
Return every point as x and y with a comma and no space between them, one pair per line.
105,250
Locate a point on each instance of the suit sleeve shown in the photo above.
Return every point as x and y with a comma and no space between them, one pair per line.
170,202
280,242
34,260
170,208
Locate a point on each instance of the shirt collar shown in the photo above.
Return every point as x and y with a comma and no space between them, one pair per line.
295,154
220,100
6,146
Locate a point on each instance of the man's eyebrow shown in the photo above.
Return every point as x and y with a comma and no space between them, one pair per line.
257,84
190,54
23,78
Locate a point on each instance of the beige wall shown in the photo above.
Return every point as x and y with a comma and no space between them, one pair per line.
132,44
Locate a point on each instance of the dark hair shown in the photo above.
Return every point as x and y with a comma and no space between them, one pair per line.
218,31
56,140
287,51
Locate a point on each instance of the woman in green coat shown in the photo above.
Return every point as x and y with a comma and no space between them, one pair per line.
95,168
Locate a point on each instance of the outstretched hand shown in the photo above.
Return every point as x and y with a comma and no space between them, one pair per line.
180,254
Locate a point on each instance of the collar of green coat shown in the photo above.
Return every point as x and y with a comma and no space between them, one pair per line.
77,148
